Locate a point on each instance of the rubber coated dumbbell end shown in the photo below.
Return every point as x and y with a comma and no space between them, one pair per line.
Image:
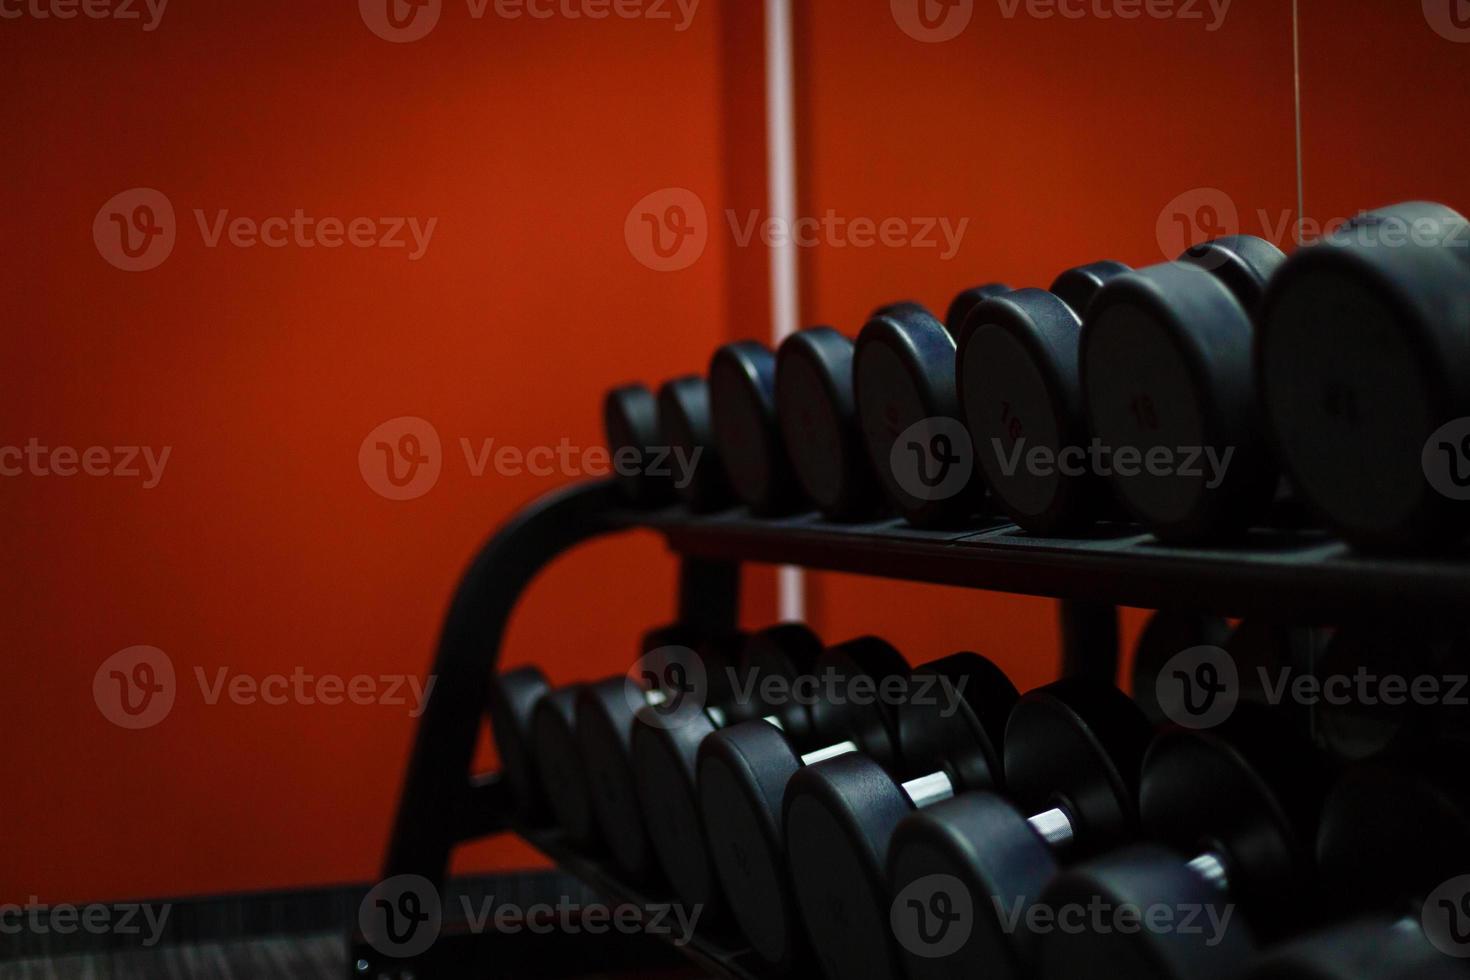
819,424
742,392
1077,286
512,702
630,423
685,421
965,302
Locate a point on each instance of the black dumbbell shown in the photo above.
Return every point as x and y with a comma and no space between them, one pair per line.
1380,683
742,394
685,421
665,755
1361,357
742,776
638,453
1197,682
1167,381
1020,392
1394,844
1168,633
559,765
1232,816
512,701
841,813
819,424
683,673
1073,751
904,381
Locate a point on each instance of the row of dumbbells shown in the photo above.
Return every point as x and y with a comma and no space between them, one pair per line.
884,821
1174,395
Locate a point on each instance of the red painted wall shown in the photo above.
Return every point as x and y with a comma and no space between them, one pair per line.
264,549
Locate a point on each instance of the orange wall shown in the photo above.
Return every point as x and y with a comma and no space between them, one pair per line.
263,549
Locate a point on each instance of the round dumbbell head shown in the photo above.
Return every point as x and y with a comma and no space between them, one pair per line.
743,772
1395,829
849,706
1078,745
952,719
742,776
742,392
964,304
819,423
903,378
1019,391
771,665
1386,682
665,756
1250,791
672,655
1365,949
901,309
692,457
1361,360
604,723
512,701
841,813
1168,634
630,420
1077,286
559,765
1244,263
1248,795
1074,745
1123,887
1166,378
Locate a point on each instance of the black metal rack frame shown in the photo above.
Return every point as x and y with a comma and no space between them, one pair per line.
1300,577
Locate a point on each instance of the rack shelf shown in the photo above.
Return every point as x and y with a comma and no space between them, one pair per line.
1298,575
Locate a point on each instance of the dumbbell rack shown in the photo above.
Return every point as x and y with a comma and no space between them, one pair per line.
1303,577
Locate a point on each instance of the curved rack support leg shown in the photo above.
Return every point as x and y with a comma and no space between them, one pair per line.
440,805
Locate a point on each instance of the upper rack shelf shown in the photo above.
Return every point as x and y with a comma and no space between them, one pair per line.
1297,576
